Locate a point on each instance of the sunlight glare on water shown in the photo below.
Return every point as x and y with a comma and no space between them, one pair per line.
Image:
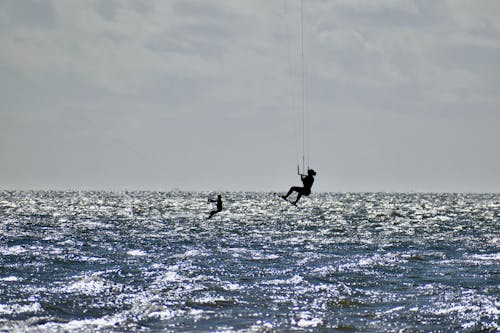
151,261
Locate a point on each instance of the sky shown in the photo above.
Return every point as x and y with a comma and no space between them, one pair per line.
207,94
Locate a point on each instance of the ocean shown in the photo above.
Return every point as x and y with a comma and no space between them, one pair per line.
339,262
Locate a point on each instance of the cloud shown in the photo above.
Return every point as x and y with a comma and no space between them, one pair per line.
219,81
29,14
108,8
420,48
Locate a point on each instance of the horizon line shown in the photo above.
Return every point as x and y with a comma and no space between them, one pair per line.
180,190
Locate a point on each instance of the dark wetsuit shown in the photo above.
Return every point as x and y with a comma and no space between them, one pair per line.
308,183
305,190
219,207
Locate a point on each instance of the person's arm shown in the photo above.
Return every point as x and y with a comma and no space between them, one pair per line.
298,172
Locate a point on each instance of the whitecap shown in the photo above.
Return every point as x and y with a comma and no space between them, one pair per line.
187,254
214,301
76,325
261,326
136,253
171,276
489,256
89,285
10,279
469,325
67,242
456,309
260,256
396,309
6,309
228,286
195,312
192,253
313,322
13,250
296,279
159,312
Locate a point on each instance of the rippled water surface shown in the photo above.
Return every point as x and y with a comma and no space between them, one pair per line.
150,261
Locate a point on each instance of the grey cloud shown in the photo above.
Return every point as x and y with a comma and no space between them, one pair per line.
197,94
141,6
203,29
205,40
107,8
196,9
29,13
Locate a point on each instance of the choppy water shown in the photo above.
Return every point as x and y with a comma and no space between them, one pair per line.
150,261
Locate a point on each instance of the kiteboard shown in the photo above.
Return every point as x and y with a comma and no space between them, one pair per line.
291,203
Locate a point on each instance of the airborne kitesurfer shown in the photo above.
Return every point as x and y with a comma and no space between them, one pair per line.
219,206
307,181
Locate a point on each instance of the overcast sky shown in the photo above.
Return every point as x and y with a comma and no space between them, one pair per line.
205,95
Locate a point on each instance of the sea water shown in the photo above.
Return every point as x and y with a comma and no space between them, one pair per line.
151,261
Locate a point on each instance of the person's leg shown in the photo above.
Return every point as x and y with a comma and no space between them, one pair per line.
298,197
292,189
301,191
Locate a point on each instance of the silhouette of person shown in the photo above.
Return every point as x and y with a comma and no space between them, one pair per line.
219,206
306,189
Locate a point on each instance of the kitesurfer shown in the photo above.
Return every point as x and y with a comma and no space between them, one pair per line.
219,206
306,189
